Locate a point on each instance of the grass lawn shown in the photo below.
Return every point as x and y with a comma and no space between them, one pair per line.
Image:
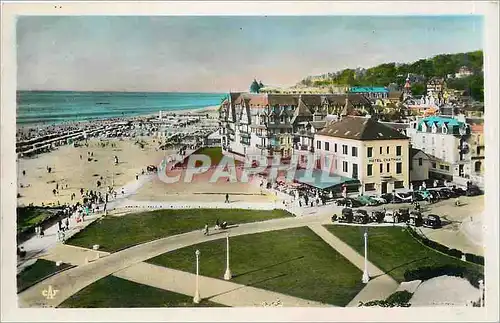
293,261
29,216
40,269
115,233
215,154
394,250
114,292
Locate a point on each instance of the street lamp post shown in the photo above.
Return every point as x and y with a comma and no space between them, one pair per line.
366,276
196,297
227,274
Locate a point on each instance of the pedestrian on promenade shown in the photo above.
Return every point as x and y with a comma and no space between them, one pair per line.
227,198
206,230
37,231
67,223
42,233
60,224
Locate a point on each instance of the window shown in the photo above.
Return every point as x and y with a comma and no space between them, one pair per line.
369,187
318,144
369,151
369,170
344,149
388,167
447,168
380,150
423,139
433,165
398,184
398,150
420,162
335,148
388,150
399,168
345,168
327,146
355,171
336,165
355,151
381,166
441,167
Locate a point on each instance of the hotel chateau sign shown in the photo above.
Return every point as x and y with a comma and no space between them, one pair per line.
383,160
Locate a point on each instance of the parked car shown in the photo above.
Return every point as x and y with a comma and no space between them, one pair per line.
432,221
403,215
361,217
458,191
347,215
387,197
367,200
380,200
473,190
389,216
435,195
418,196
416,218
377,216
348,202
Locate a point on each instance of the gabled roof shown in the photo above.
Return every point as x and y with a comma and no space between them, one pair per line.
414,151
303,110
360,128
311,100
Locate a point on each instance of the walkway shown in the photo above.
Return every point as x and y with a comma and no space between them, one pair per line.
379,287
71,281
215,290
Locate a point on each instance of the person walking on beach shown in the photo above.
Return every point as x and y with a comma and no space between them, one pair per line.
81,191
54,191
227,198
136,177
24,173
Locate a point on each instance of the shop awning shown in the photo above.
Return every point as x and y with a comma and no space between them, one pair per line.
321,179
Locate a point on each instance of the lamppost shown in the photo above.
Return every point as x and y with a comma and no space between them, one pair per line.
366,276
196,297
227,274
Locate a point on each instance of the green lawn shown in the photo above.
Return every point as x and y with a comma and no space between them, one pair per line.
39,270
215,154
29,216
114,292
394,250
294,262
115,233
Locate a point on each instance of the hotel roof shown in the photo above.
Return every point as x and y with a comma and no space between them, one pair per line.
360,128
368,89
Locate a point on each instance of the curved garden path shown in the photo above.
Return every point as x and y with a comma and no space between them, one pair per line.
73,280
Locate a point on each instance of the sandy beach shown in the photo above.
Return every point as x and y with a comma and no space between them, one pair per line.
72,173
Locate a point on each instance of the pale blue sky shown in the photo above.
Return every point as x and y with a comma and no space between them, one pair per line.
218,54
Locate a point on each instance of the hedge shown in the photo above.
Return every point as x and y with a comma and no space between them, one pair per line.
425,273
474,258
444,249
397,299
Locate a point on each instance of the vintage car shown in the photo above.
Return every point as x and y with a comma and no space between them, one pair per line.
403,215
390,216
361,217
473,190
347,215
432,221
416,218
377,216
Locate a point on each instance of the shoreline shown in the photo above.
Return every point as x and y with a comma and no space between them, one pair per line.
206,109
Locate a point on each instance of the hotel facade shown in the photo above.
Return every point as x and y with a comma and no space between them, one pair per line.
364,149
278,124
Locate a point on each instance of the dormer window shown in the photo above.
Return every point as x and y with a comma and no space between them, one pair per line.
444,129
434,128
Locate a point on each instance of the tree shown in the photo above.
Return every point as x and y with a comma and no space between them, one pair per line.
255,87
418,89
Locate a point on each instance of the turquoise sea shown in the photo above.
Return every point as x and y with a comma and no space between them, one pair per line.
53,107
